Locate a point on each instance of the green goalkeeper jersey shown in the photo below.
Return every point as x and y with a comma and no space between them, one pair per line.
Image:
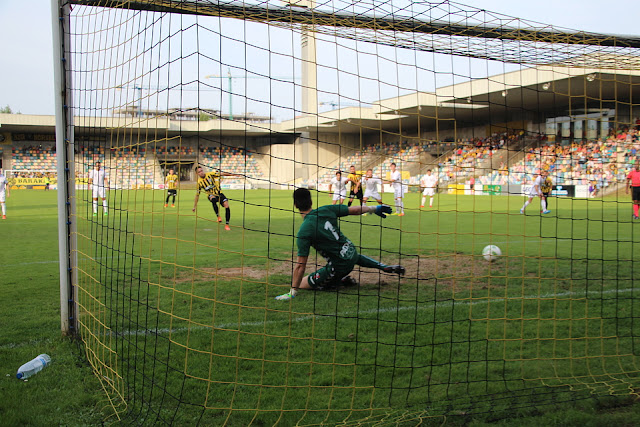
320,229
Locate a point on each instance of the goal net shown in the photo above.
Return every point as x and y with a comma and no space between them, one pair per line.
462,115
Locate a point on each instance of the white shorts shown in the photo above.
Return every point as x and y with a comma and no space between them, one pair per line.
340,195
428,191
532,193
98,192
372,195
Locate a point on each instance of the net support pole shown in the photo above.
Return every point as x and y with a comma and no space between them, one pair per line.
65,164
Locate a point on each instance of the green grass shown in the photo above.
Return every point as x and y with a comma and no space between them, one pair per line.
172,323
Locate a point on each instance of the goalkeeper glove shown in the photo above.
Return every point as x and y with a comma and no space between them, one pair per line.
286,297
382,210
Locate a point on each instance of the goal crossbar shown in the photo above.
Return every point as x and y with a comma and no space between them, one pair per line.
302,15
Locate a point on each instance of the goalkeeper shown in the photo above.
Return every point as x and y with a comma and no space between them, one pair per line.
320,229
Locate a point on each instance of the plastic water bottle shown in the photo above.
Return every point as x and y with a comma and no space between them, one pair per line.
33,367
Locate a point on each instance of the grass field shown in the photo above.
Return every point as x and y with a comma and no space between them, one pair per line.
178,314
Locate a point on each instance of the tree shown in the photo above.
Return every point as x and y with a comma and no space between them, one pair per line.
6,110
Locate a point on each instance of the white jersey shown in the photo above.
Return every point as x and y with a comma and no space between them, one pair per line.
371,187
535,189
3,186
396,183
339,186
98,177
429,183
97,183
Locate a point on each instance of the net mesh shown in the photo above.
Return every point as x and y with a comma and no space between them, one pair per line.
177,314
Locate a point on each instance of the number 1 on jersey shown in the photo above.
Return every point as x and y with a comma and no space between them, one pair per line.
329,226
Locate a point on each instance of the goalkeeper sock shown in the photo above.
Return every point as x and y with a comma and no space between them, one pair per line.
365,261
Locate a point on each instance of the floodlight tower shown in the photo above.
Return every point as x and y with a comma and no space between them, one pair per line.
309,87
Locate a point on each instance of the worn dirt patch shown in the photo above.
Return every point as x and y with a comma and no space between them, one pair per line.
455,271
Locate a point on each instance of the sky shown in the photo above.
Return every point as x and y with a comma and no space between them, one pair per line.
26,64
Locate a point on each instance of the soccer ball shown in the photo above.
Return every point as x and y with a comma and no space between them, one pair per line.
491,252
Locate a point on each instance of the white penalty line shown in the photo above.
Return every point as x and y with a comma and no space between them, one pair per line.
351,314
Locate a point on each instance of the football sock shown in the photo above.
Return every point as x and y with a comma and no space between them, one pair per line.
525,205
167,201
423,200
173,202
401,206
104,204
365,261
227,214
431,201
544,204
95,205
215,208
398,204
349,204
4,208
635,209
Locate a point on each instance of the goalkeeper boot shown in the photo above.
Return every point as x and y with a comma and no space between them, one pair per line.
219,219
394,269
226,227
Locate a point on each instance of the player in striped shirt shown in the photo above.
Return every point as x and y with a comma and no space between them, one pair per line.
356,188
209,182
172,188
633,182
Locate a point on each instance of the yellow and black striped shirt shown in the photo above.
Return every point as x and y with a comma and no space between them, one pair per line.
355,178
546,185
210,184
172,181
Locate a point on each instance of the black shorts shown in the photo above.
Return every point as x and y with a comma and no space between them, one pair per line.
220,198
173,192
635,193
358,194
547,194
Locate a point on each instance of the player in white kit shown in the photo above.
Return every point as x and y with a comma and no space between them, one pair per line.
339,186
99,182
4,193
371,184
535,190
398,189
429,182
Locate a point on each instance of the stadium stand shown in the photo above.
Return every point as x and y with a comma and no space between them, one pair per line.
232,160
33,158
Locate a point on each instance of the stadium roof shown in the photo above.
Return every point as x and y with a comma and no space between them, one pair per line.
528,94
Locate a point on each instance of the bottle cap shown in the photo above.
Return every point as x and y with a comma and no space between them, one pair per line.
19,375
